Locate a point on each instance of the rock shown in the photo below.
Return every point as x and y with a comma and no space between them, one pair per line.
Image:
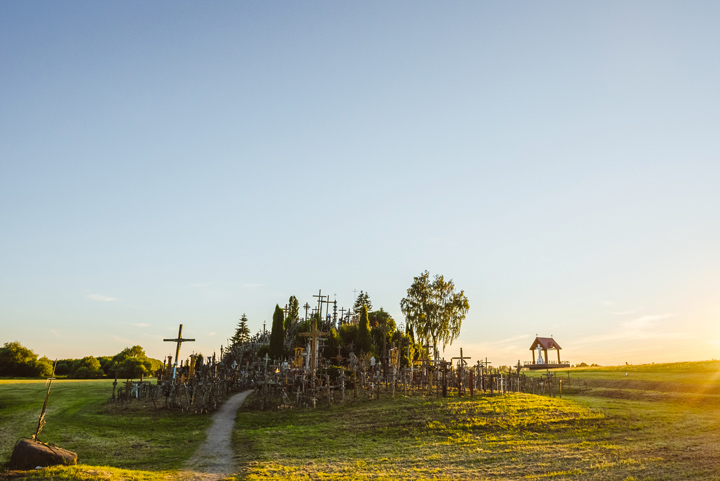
29,454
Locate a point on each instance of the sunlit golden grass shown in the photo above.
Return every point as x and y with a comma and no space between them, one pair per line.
622,431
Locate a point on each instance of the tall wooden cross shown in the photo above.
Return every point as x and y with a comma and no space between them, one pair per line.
314,334
179,341
342,315
320,302
306,306
286,309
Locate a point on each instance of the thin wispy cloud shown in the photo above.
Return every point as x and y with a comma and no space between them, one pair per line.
57,334
645,322
101,298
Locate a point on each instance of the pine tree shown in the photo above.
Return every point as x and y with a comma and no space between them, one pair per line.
363,334
277,336
363,299
242,333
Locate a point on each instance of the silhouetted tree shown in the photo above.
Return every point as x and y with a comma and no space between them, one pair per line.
277,335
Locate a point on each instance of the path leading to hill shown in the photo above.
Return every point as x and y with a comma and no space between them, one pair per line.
214,458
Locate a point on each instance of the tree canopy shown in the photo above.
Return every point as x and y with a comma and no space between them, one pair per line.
433,310
363,299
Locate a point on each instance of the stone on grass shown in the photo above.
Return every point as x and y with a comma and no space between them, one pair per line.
30,454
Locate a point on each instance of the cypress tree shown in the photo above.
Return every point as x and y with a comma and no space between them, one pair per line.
277,335
363,334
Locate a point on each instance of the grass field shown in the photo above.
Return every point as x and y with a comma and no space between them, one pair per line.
79,419
620,429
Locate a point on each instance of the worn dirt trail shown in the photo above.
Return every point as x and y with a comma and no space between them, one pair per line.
214,458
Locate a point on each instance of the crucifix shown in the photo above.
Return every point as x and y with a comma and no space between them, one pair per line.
460,367
179,341
306,306
286,309
314,334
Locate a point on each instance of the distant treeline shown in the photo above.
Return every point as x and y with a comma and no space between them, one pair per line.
19,361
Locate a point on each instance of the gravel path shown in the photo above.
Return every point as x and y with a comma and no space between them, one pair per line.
214,459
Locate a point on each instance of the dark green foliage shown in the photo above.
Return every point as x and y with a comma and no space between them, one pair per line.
242,333
62,369
19,361
363,341
262,350
381,317
277,335
293,312
348,334
87,368
363,299
334,343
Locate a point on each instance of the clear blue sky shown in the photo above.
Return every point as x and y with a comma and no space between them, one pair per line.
183,162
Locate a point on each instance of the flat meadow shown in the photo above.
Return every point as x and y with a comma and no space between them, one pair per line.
654,422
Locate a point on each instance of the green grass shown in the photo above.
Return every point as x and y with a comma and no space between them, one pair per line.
79,419
622,428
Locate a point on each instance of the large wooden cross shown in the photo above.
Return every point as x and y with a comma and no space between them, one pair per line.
314,334
179,341
320,302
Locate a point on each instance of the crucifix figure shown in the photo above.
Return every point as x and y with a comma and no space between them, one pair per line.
179,341
314,334
306,306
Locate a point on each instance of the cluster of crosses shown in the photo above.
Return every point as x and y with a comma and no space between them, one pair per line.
197,384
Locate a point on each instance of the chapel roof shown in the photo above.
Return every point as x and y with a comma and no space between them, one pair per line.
545,343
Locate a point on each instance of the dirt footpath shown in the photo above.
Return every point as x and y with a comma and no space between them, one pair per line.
214,459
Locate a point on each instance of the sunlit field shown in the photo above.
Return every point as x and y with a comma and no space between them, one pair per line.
659,422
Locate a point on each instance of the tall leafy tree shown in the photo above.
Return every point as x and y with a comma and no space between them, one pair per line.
277,335
242,333
363,341
363,299
293,312
433,310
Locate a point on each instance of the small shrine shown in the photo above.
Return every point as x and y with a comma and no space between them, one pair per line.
541,359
